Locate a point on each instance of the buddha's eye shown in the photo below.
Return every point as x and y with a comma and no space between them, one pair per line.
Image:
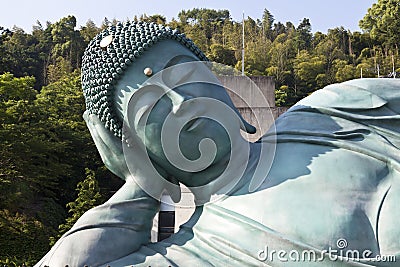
177,70
179,60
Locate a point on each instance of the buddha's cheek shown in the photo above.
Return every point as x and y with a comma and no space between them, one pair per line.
151,137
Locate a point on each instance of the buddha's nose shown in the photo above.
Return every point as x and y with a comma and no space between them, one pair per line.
177,98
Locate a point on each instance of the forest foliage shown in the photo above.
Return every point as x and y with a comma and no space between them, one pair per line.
50,171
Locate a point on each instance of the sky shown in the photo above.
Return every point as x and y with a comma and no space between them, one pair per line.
323,14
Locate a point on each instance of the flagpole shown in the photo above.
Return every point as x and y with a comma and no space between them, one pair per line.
243,45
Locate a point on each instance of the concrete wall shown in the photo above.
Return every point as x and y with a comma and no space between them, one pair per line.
243,87
254,97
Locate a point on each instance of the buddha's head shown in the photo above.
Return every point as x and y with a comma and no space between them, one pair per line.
156,82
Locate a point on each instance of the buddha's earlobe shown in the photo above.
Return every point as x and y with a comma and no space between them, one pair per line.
244,125
247,127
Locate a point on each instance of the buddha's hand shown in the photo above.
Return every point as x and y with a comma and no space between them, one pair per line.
108,145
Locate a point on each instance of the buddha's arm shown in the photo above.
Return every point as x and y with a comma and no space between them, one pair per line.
116,228
110,231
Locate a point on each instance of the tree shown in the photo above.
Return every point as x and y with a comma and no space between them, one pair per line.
328,50
344,71
88,197
28,174
359,42
310,73
267,23
281,96
67,41
382,22
44,48
198,37
256,57
60,107
304,35
279,28
341,37
44,151
107,23
157,18
60,69
220,54
232,36
89,31
19,54
317,39
207,23
366,68
281,52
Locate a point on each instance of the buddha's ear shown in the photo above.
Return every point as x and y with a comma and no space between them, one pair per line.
245,126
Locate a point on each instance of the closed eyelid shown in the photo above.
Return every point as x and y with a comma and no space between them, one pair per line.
178,60
179,69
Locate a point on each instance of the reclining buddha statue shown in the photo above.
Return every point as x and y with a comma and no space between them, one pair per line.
320,188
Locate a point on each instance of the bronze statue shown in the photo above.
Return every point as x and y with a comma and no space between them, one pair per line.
319,189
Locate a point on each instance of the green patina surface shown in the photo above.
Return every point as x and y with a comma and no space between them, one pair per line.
334,175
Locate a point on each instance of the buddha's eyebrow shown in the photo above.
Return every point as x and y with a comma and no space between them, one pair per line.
179,59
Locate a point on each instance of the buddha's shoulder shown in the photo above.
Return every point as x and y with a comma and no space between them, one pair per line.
355,94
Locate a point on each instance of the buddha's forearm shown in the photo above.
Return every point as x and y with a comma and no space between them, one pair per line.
130,190
117,228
